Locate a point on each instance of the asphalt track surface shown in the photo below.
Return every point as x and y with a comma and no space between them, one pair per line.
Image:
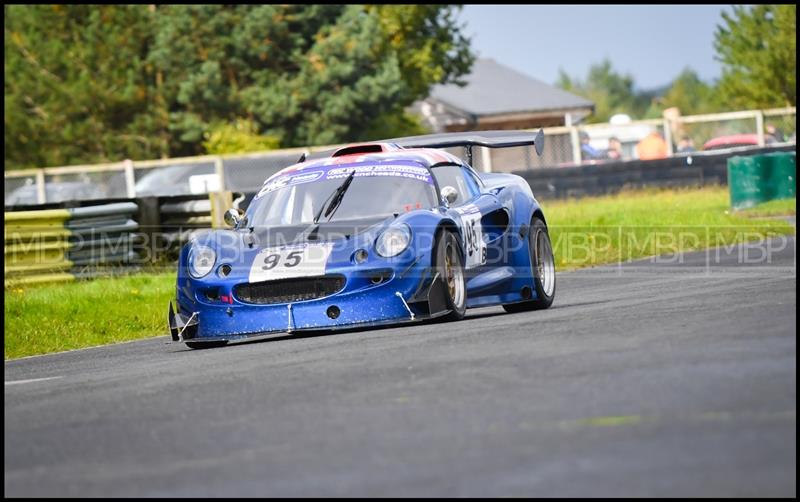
655,378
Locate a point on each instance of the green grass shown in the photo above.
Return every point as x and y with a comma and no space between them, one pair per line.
57,317
637,224
779,207
585,232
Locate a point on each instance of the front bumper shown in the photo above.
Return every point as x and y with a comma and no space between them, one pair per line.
395,301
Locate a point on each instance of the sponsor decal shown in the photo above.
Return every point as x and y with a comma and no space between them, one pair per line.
336,172
404,171
289,180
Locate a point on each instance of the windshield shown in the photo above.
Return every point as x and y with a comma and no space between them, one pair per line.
376,190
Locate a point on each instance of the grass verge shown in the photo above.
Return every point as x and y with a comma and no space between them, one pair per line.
781,207
585,232
57,317
637,224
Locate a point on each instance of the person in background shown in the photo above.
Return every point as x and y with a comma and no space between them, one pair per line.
614,151
686,145
775,133
652,146
588,152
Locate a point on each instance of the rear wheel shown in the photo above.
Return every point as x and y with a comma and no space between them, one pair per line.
206,345
450,267
543,267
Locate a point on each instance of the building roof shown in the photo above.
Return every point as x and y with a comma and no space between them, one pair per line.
494,89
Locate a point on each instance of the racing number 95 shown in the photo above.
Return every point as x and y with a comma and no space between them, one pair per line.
472,240
293,259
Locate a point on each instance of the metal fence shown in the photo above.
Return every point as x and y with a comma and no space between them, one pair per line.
564,146
681,136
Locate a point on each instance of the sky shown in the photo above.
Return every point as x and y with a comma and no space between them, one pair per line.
653,43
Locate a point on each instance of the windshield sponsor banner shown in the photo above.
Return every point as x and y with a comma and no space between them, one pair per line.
414,172
289,180
403,171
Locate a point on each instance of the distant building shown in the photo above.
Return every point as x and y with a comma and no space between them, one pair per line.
498,97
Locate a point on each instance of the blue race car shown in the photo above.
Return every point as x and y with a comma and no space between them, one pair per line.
369,234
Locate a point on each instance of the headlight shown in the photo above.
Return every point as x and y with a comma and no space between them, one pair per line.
393,241
201,261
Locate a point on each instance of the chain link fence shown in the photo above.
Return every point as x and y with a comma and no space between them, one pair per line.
564,147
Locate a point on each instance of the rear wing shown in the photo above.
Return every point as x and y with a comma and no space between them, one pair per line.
489,139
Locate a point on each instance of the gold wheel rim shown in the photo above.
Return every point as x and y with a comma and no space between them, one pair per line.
448,269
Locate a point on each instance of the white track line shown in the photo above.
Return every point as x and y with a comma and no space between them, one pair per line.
17,382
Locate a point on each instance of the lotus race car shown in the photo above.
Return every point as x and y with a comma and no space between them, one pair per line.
366,235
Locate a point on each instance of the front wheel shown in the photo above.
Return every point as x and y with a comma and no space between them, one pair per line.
544,269
450,267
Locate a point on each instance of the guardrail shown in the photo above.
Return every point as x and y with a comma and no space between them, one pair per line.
64,244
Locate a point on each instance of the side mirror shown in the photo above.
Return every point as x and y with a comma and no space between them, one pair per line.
233,216
449,194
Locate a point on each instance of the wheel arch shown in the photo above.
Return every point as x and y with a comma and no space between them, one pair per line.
537,212
450,225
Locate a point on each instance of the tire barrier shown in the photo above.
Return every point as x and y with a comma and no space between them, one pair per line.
180,219
760,178
64,244
53,245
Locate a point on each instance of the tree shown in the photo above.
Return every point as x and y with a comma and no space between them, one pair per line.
93,83
689,94
757,47
76,85
610,91
430,49
238,137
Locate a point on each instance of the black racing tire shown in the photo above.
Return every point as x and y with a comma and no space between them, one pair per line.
451,271
543,267
206,345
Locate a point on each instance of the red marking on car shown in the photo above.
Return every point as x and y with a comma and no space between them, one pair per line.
439,157
226,299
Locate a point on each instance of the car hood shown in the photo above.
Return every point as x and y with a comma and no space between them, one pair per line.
344,234
282,252
331,231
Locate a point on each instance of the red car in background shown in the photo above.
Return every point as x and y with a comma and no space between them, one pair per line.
736,140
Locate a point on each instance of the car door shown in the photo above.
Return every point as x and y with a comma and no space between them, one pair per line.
470,207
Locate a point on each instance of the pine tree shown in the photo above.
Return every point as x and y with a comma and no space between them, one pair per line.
103,83
758,49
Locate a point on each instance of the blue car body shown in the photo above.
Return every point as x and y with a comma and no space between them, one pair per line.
350,284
